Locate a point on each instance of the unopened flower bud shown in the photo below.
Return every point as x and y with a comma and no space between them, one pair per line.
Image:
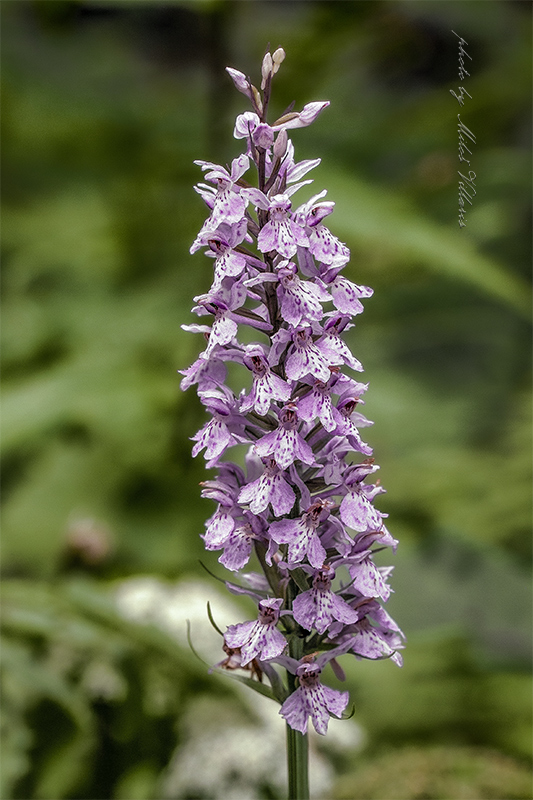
303,118
263,136
292,115
277,57
240,80
280,145
257,99
266,69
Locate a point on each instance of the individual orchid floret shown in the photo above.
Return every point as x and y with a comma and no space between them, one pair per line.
285,445
348,421
317,403
346,295
228,263
299,299
290,172
301,535
312,699
225,487
374,636
219,527
370,641
332,343
320,606
281,233
241,82
260,638
357,511
245,125
208,373
228,204
224,328
224,491
227,307
307,357
216,436
263,136
266,386
229,235
248,126
367,579
324,246
239,544
272,488
312,212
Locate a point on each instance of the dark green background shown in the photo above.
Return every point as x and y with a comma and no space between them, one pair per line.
105,107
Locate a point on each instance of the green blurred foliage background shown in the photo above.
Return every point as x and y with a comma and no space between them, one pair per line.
105,106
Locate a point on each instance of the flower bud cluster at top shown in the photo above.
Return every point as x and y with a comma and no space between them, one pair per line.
302,505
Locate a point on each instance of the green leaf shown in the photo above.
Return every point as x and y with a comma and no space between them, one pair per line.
278,687
189,639
211,620
300,579
255,685
382,221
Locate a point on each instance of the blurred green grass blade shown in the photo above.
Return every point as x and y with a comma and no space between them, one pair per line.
387,222
88,599
64,769
66,765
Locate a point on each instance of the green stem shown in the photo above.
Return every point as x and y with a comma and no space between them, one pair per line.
272,572
297,759
297,746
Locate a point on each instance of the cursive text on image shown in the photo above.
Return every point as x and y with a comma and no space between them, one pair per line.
466,184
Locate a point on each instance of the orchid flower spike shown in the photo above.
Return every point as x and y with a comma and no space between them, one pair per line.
295,519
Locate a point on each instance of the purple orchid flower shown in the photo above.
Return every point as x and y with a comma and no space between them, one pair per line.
285,444
301,119
239,543
302,535
305,357
375,635
280,233
216,436
271,488
319,607
221,243
259,639
301,506
267,386
323,245
299,299
228,203
312,700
